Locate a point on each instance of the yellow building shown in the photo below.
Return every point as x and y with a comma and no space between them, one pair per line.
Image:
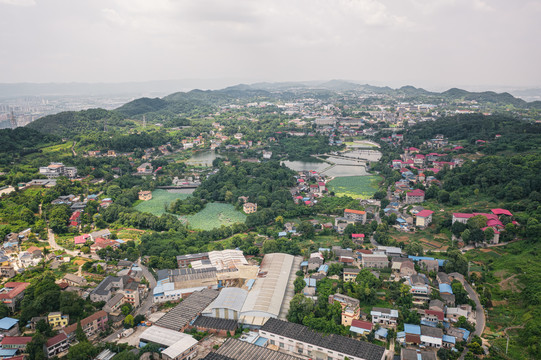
57,320
145,195
249,208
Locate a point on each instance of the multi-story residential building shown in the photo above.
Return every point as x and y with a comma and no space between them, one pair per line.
145,195
105,289
350,307
12,293
350,274
423,218
56,345
91,325
301,340
355,215
57,320
249,208
131,293
415,196
379,261
55,170
384,316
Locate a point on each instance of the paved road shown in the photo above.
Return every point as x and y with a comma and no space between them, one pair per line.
147,303
479,312
54,246
479,316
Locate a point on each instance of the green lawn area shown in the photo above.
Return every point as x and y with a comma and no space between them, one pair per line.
160,199
213,216
359,187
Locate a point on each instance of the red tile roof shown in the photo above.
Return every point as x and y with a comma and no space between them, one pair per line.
56,339
437,313
16,289
87,320
16,340
366,325
501,212
356,236
425,213
416,192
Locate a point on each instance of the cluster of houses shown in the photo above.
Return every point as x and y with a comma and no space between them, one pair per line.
310,186
437,319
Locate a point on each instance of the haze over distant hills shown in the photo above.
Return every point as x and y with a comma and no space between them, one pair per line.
164,87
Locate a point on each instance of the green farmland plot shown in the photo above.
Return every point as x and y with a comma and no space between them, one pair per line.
213,216
160,198
355,186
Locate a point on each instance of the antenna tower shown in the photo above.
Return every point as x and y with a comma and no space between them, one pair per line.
12,120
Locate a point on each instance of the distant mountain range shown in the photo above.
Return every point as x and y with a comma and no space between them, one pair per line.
191,102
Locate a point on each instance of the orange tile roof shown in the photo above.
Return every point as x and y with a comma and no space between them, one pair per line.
360,212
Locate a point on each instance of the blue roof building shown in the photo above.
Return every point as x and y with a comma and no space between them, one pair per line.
7,353
310,282
7,323
323,268
412,329
466,333
282,234
449,339
445,288
381,333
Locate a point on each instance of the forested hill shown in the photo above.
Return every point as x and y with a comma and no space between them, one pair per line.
70,123
21,141
515,135
189,103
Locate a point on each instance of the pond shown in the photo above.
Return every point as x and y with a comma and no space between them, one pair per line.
335,167
203,158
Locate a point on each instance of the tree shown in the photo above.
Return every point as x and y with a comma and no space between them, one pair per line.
270,246
299,284
79,333
489,234
4,310
299,307
35,347
443,196
82,351
129,321
466,235
454,198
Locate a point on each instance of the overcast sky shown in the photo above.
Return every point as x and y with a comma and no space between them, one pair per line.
428,43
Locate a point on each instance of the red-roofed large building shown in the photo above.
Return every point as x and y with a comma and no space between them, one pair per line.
56,345
501,212
12,293
461,217
15,342
91,325
415,196
355,215
423,218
